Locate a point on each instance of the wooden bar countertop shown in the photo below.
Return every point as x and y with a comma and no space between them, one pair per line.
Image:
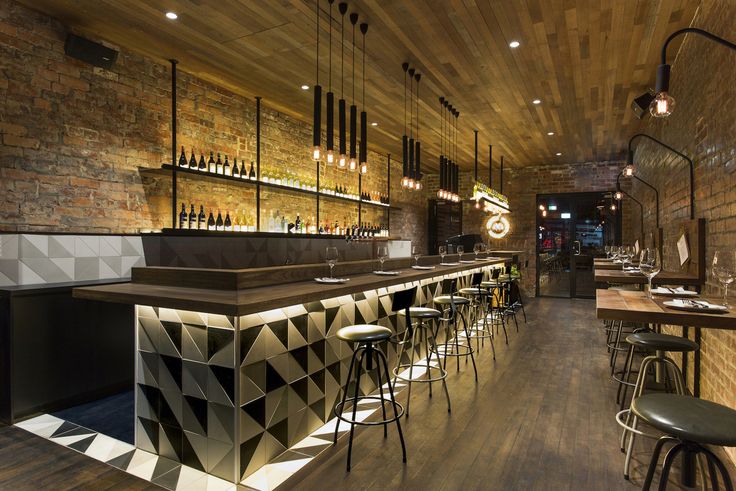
636,278
229,292
634,306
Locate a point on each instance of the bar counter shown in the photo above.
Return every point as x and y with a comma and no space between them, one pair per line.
234,367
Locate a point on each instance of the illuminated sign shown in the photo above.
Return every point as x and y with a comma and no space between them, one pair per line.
492,200
498,226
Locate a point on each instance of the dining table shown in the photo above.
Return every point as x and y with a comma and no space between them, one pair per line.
621,277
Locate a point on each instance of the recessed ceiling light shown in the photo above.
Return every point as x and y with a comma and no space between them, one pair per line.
374,123
514,44
537,101
171,15
550,133
305,87
558,153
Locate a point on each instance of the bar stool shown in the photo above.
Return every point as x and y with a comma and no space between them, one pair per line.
402,304
660,344
495,302
691,424
451,305
365,336
479,325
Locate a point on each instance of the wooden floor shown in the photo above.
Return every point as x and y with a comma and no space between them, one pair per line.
541,417
29,462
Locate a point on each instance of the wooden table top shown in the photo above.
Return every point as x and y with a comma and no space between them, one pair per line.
259,299
607,265
634,306
636,278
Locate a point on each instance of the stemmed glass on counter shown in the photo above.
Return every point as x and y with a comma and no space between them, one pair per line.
724,270
416,253
331,258
476,249
382,255
650,264
443,253
608,251
460,252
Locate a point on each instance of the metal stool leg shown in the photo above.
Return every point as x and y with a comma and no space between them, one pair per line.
380,391
472,358
444,382
355,406
655,459
345,390
411,370
721,468
393,403
668,460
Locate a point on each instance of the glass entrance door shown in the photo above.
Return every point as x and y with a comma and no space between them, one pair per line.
572,229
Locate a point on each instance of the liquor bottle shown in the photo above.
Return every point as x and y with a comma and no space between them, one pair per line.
336,229
236,171
236,219
228,223
211,224
321,230
284,225
218,168
192,219
252,173
182,158
201,219
193,161
183,217
219,224
298,224
202,164
211,164
226,168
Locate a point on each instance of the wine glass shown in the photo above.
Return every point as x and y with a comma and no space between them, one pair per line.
476,249
625,254
607,249
460,252
724,270
382,255
331,257
650,264
416,252
443,253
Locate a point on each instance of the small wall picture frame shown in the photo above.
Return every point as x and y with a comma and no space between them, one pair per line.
683,249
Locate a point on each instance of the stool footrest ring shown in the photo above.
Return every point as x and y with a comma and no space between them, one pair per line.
620,420
442,373
338,413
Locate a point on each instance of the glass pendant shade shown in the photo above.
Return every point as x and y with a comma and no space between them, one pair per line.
342,161
662,105
316,153
330,157
353,164
364,168
629,170
618,195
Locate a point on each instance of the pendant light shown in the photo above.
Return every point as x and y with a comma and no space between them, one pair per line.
405,139
418,149
442,148
342,159
411,129
451,161
330,153
353,161
363,114
317,110
446,166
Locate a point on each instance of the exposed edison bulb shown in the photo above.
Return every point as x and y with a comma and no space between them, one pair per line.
629,170
418,185
662,105
316,153
410,183
618,195
477,205
352,164
342,161
439,194
544,213
541,207
364,168
404,182
613,207
330,157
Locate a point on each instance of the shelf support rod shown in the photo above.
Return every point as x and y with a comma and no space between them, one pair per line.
258,163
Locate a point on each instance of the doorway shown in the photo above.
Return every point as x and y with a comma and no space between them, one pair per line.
572,229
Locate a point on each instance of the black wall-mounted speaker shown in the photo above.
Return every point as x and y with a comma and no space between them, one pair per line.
640,105
90,52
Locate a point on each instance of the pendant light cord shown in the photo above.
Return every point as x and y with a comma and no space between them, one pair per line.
353,67
411,106
417,108
404,102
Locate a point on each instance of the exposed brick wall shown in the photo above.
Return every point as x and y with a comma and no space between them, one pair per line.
75,138
703,127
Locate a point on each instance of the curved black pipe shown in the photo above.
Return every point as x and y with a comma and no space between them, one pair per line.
688,159
694,30
656,193
641,207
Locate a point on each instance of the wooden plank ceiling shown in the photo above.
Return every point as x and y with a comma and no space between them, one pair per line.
585,60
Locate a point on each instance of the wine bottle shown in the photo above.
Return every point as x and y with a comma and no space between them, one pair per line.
219,224
211,224
211,164
202,164
298,224
236,171
193,161
228,223
183,217
192,219
226,168
218,168
252,173
284,225
182,158
201,219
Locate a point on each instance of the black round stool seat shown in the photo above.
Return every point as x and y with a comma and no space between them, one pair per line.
422,313
447,300
663,342
364,333
688,418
